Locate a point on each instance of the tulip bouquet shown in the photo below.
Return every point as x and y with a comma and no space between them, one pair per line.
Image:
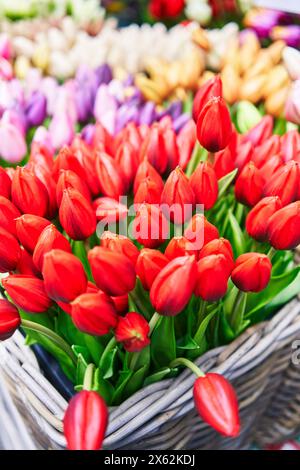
130,256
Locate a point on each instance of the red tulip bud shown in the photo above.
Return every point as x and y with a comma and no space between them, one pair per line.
111,178
219,246
76,215
28,193
261,132
212,277
270,167
121,303
249,185
10,251
146,170
284,227
66,160
109,210
154,149
85,421
148,191
8,214
266,150
224,162
49,239
103,137
120,244
27,292
217,404
94,314
5,184
214,126
148,266
64,276
172,149
69,179
150,227
174,286
258,218
200,232
252,272
113,272
88,161
29,227
9,319
180,246
133,330
212,87
204,183
284,183
45,176
186,140
128,159
178,197
26,264
243,155
290,145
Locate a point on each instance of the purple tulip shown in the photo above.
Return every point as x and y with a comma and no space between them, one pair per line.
50,88
180,122
12,143
16,117
36,109
147,113
103,74
265,20
175,109
105,108
289,34
87,133
126,114
83,101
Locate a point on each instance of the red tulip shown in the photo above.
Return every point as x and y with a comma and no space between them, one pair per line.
148,266
26,264
217,404
27,292
128,159
10,251
8,215
108,210
76,215
148,191
284,227
103,137
49,239
133,330
244,153
258,218
204,184
186,140
64,276
180,246
94,314
85,421
270,167
266,150
252,272
130,134
200,231
284,183
212,87
88,162
261,132
224,162
212,277
5,184
120,244
174,286
290,145
150,227
113,272
121,303
214,126
29,227
69,179
111,178
249,185
45,176
146,170
66,160
154,149
163,9
219,246
28,193
177,197
172,150
9,319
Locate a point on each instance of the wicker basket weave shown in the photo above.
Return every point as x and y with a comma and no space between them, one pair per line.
162,416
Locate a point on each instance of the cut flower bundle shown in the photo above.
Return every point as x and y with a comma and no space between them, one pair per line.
125,294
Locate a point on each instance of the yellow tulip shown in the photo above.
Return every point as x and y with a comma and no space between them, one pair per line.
21,67
251,90
231,84
40,57
276,50
263,63
277,78
276,102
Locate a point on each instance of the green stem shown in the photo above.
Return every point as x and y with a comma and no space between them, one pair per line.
137,301
153,322
30,325
182,361
238,310
88,377
110,345
201,316
271,253
194,160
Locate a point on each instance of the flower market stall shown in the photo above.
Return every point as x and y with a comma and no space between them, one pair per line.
150,224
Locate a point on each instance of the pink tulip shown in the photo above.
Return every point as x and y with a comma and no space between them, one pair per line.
12,143
16,118
5,47
105,109
6,71
292,106
42,136
61,129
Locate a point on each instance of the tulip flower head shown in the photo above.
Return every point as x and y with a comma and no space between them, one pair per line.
257,221
27,292
9,319
283,230
178,197
212,277
133,331
252,272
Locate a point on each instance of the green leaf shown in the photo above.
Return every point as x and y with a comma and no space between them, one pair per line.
65,327
226,333
107,363
78,248
163,343
135,382
94,346
81,368
157,376
187,342
226,181
247,116
275,289
203,326
103,387
236,235
83,351
122,382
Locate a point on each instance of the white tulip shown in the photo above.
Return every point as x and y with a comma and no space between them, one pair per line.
291,59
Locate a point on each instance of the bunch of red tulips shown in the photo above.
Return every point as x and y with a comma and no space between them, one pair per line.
122,311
